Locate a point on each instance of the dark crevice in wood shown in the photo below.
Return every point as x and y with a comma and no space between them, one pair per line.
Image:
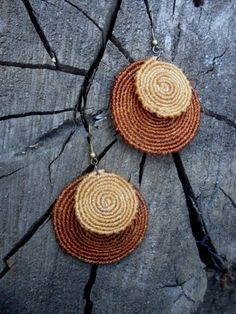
177,284
219,117
176,42
183,294
84,13
88,288
82,98
198,3
67,124
180,285
49,2
118,45
45,217
51,134
26,237
40,31
88,17
212,68
229,197
60,67
149,13
33,113
173,8
60,153
11,173
206,249
141,169
100,156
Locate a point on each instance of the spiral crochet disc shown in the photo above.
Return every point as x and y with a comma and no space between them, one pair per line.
144,130
105,203
162,88
90,247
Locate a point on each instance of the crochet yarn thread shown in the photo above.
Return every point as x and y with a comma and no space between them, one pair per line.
144,130
91,247
105,203
162,88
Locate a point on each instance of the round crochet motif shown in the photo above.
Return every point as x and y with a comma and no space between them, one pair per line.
144,130
91,247
162,88
105,203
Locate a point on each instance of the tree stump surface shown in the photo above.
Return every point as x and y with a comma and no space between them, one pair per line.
191,240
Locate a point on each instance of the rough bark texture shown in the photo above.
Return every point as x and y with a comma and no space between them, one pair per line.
52,53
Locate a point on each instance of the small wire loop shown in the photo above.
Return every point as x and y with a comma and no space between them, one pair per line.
157,51
94,161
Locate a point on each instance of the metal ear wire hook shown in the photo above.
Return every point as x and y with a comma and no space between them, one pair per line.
93,157
155,48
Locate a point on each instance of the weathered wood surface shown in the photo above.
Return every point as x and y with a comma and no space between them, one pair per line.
42,151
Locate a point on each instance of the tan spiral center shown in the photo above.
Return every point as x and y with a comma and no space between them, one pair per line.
162,88
105,203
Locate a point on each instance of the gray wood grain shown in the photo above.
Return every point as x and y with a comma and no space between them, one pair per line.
42,150
18,40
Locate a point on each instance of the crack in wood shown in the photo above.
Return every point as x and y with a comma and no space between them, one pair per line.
88,288
176,42
141,168
213,63
229,197
59,154
26,237
198,3
119,46
177,284
48,2
173,7
34,113
11,173
82,98
88,17
60,67
51,134
180,285
183,294
149,13
85,14
40,31
207,251
218,116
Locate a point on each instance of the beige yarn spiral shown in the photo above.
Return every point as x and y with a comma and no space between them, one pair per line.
162,88
105,203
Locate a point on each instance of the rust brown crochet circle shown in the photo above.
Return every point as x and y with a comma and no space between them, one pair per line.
144,130
90,247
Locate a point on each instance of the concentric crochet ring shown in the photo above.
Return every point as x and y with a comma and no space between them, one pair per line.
144,130
162,88
105,203
90,247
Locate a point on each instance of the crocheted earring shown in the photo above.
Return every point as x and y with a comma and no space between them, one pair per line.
100,217
154,107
